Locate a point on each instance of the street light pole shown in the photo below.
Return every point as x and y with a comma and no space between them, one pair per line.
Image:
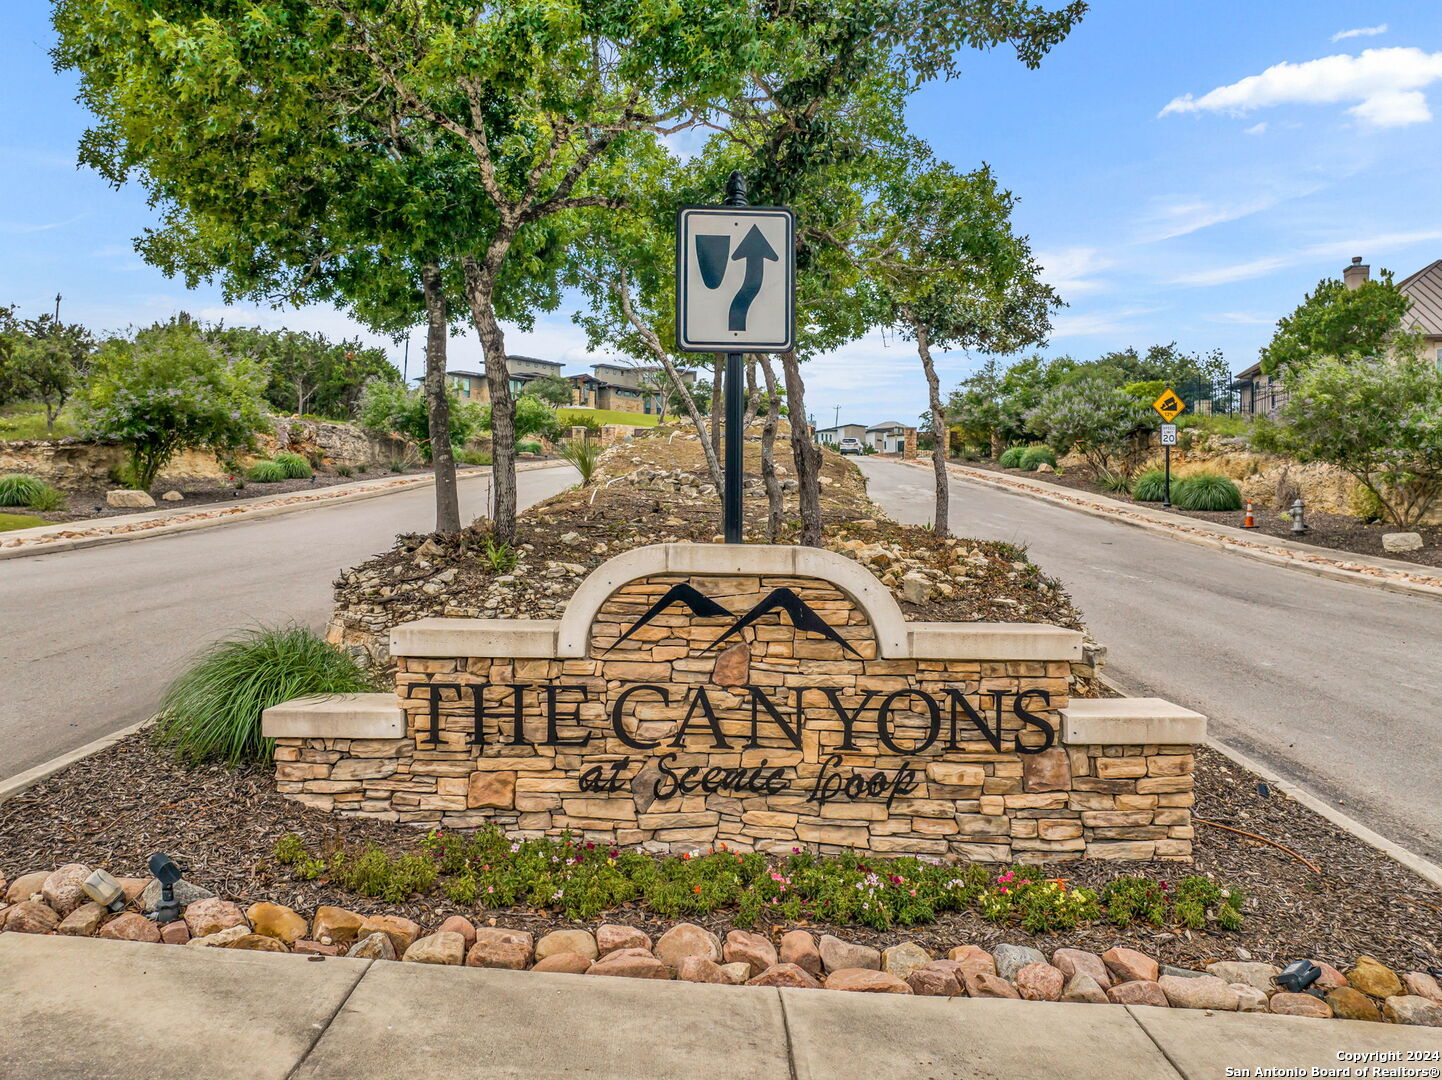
735,460
57,307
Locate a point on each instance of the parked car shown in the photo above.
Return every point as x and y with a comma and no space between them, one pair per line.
850,446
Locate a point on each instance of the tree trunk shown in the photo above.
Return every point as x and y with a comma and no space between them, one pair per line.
718,401
941,518
438,406
480,281
806,453
775,506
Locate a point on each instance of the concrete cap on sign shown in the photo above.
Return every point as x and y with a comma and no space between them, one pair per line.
509,638
1113,721
335,716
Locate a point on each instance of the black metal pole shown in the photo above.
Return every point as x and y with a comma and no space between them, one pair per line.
1167,485
735,461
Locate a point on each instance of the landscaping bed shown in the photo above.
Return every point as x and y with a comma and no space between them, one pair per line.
1340,532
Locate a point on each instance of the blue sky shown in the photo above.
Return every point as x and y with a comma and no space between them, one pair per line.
1186,172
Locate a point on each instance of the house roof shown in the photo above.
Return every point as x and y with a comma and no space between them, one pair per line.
885,425
1424,289
1248,373
843,427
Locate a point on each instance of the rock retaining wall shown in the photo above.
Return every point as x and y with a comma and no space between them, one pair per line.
828,721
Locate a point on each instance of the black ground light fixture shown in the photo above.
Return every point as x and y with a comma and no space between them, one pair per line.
163,867
1297,976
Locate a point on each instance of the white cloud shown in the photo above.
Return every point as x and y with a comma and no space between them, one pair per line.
1361,31
22,227
1333,249
1240,318
1098,322
1070,270
1255,129
1386,85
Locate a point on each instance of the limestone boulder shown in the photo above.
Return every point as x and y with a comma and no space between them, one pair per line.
687,939
335,926
515,955
901,960
1421,984
754,950
1129,965
973,958
737,973
1071,961
1040,982
630,964
1082,988
131,926
567,963
218,940
402,932
125,499
865,981
980,984
1137,992
1201,992
31,917
1349,1003
786,975
936,979
1012,958
276,920
838,955
799,947
1375,978
459,924
212,915
575,941
699,969
84,920
1330,978
63,891
374,946
1414,1010
1246,971
185,894
442,947
1285,1004
258,943
1249,998
613,936
175,933
25,887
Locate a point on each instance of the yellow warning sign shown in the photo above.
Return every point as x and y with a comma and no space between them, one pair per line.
1169,405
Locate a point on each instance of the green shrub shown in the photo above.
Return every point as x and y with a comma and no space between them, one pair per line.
499,556
1150,486
266,472
17,489
583,454
121,476
212,711
528,447
1114,481
1033,456
1011,457
48,498
472,457
1206,491
344,471
296,466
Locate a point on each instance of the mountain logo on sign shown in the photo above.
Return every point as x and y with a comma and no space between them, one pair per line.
796,609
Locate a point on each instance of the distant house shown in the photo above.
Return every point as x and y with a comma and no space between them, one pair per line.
471,386
832,436
623,388
1263,395
888,437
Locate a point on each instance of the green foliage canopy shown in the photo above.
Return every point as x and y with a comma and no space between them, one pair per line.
168,390
1335,321
387,407
1090,414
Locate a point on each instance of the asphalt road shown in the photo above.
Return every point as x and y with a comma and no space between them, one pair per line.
90,638
1335,686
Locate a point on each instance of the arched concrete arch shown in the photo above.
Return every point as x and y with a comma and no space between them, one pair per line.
873,598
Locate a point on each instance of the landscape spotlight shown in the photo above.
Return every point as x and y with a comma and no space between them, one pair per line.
163,867
105,890
1297,976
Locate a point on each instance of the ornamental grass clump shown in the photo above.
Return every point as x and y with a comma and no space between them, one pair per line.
212,711
582,454
266,472
295,465
582,879
1011,457
1206,491
17,489
1150,486
1033,456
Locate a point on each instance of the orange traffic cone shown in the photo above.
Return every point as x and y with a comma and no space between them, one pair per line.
1249,522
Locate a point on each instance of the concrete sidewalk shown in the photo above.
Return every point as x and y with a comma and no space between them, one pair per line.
81,1007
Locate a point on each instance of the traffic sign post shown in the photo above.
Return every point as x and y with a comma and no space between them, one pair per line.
1168,407
735,293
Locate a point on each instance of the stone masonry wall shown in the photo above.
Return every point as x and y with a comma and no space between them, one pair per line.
973,801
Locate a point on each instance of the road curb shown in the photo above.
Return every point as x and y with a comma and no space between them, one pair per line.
1214,541
14,785
341,497
1424,868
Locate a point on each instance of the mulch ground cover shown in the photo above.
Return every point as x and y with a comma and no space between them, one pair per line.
117,807
1337,531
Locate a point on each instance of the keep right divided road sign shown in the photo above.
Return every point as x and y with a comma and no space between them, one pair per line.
735,279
